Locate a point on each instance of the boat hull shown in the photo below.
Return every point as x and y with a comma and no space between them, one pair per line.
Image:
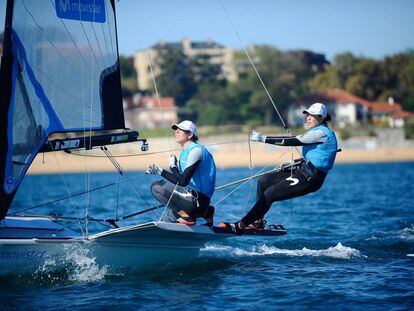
29,245
122,248
150,243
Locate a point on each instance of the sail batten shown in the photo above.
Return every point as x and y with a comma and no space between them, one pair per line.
90,142
63,76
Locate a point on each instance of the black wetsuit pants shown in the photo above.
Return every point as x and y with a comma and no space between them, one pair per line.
191,202
281,186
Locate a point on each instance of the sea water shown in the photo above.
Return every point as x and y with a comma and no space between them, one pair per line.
349,246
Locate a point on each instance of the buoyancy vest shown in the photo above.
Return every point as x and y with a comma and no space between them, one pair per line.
322,156
204,177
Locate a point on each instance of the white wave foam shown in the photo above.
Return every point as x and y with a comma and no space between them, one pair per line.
338,251
407,233
403,234
79,263
217,248
410,255
85,268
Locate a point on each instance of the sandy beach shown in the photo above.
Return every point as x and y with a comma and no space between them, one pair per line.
227,153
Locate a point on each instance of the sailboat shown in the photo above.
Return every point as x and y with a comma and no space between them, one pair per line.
60,74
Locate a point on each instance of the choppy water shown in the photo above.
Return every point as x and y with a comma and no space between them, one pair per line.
349,246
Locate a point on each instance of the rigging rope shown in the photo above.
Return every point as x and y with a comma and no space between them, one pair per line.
169,200
259,77
114,162
255,69
122,172
73,206
158,98
88,185
165,124
242,181
251,174
155,152
101,221
259,174
78,194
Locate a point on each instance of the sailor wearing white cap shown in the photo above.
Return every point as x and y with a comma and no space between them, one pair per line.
191,179
186,126
319,148
319,110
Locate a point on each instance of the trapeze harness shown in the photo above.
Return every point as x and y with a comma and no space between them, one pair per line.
195,178
318,156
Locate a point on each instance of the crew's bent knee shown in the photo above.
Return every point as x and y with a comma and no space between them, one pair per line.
157,187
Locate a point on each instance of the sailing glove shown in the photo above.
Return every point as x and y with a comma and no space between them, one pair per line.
153,169
173,161
257,136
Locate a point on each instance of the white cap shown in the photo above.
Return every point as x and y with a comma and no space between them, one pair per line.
186,126
317,109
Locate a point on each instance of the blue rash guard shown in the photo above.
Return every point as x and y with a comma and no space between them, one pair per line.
319,146
322,154
204,177
196,169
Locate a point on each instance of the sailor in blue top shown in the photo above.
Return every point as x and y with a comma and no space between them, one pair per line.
191,179
319,148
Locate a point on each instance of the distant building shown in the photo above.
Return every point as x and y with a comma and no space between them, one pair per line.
345,108
218,55
348,109
147,113
390,113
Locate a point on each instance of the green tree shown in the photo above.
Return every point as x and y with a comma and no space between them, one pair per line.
128,76
337,74
212,105
407,85
194,83
370,79
397,79
286,76
364,81
329,79
345,64
127,67
240,94
176,79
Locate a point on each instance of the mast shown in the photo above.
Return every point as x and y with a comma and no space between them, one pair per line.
5,98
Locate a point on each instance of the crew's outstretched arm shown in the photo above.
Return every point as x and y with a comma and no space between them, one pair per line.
312,137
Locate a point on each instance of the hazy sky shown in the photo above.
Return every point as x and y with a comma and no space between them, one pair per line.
372,28
365,27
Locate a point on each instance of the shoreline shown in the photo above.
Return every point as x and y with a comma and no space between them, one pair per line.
225,154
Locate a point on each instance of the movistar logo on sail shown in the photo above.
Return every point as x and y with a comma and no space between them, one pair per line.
82,10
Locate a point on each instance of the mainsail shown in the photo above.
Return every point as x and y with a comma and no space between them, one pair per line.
59,73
